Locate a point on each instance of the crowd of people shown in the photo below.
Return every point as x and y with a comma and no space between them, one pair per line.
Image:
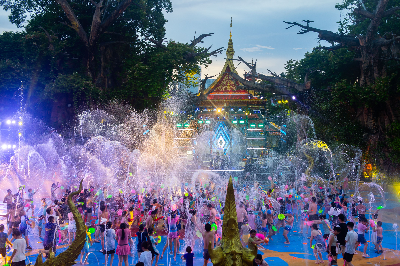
131,224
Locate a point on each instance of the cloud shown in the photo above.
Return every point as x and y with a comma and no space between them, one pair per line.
264,63
297,49
257,48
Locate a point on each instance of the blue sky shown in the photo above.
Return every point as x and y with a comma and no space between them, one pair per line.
258,29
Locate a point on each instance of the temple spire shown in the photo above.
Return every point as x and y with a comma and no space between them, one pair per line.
230,51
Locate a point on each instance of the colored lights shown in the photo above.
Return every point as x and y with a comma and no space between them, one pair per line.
200,121
234,121
260,125
241,121
252,125
186,125
178,125
208,121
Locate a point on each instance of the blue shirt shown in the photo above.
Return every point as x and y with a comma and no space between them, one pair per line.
49,233
189,259
3,238
23,226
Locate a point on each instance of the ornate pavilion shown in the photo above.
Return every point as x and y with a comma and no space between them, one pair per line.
231,119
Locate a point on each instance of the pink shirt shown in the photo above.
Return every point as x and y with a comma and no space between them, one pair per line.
361,228
124,241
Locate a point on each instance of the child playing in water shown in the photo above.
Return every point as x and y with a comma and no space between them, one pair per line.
142,236
332,244
109,245
24,227
71,228
246,234
85,249
145,256
362,229
253,240
264,226
379,237
3,242
319,245
295,210
303,216
154,243
288,226
188,256
270,223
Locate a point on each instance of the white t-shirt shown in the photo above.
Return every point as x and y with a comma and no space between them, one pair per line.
145,257
110,239
20,246
351,239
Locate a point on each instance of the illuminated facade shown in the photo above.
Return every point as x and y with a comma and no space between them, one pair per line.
230,119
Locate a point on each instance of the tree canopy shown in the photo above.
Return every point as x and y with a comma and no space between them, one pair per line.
355,91
74,53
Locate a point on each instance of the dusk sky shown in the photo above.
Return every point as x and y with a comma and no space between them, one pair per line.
258,29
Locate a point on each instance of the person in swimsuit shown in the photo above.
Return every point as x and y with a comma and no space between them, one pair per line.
172,233
288,227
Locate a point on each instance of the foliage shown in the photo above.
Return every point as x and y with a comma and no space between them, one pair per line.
331,73
393,141
355,24
355,87
90,61
80,87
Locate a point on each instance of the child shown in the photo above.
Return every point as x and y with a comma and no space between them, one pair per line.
362,229
246,234
142,237
282,210
40,225
188,256
326,229
264,226
295,210
71,227
289,224
253,240
23,227
379,237
332,243
351,241
18,256
252,219
319,245
3,242
145,256
30,199
270,224
152,248
303,216
109,245
85,249
49,241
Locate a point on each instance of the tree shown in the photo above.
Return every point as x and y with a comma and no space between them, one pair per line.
374,45
363,90
95,23
87,52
